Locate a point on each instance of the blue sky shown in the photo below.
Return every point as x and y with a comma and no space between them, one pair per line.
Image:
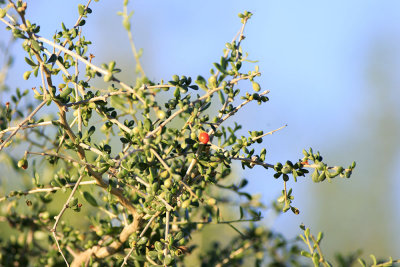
314,56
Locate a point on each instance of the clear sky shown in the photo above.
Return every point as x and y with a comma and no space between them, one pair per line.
332,68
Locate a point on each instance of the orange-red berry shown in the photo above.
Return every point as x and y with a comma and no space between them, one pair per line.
204,137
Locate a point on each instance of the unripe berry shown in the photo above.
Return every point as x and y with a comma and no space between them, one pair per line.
23,163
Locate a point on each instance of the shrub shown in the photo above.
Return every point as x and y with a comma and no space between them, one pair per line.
148,163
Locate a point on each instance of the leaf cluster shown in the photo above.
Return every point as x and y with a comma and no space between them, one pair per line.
133,160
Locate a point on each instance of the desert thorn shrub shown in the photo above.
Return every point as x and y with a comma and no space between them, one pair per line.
148,161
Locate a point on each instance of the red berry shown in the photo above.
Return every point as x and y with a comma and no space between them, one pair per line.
204,137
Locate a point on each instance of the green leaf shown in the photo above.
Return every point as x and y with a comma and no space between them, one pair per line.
73,202
36,71
89,198
212,81
315,176
219,67
126,23
353,165
111,66
35,45
221,97
362,262
152,254
241,212
320,236
373,259
124,140
3,12
108,77
201,82
159,246
177,93
27,74
143,240
305,254
65,92
256,86
315,259
30,62
168,260
81,9
91,130
307,232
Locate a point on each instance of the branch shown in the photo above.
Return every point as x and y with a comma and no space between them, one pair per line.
218,222
141,235
49,189
167,205
269,133
170,172
58,217
22,124
135,54
120,92
103,252
234,254
230,114
251,160
209,93
72,54
44,123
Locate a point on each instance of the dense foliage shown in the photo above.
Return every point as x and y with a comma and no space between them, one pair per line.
153,160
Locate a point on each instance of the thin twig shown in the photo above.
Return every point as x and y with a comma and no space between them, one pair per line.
218,222
43,83
112,215
209,93
76,94
170,172
97,98
60,156
269,133
249,160
141,235
76,25
93,149
167,205
22,124
166,233
115,121
230,114
241,37
72,54
33,125
285,192
50,189
58,217
151,261
234,254
239,34
100,252
120,92
318,248
133,47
